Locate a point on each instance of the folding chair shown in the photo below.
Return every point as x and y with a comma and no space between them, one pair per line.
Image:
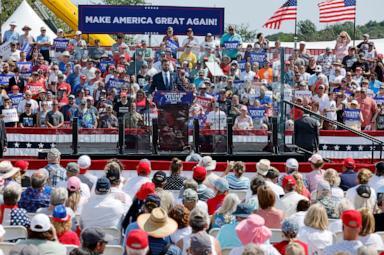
6,247
113,250
115,233
13,233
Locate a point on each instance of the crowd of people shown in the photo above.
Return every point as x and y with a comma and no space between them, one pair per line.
47,82
208,212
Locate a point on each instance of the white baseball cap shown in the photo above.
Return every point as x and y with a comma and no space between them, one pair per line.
60,30
40,223
84,162
315,158
292,163
78,33
13,23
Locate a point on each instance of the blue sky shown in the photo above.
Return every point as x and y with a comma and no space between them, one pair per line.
256,12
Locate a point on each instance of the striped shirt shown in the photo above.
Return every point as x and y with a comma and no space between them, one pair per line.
237,183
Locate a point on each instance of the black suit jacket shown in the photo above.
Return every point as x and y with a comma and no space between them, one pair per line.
306,133
158,82
20,83
3,137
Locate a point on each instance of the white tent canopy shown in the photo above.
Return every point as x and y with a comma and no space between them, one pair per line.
25,15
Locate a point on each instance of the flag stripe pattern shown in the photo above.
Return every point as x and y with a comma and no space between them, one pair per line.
332,11
288,11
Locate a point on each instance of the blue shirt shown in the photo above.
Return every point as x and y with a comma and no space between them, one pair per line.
73,79
11,36
227,236
43,39
375,85
56,173
33,199
348,179
236,183
230,44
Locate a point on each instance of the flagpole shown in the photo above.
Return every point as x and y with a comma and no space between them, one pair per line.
295,36
354,25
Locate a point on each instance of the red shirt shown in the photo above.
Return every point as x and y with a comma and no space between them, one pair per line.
69,237
214,203
66,86
280,247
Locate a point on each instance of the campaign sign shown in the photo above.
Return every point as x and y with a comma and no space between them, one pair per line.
4,79
162,98
204,102
136,19
104,64
60,44
352,115
231,44
303,93
259,57
10,115
25,69
256,112
115,84
379,99
242,65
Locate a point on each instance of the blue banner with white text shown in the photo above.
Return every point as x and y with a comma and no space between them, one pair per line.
129,19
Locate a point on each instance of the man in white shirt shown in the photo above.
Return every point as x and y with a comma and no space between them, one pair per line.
271,180
352,224
192,41
143,170
247,74
28,99
114,176
12,54
217,119
102,209
377,181
322,98
288,203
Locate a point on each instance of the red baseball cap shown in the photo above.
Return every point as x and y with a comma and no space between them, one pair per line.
349,162
22,164
352,218
145,189
143,168
137,239
199,173
288,181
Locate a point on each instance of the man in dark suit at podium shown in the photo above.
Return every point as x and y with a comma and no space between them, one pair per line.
306,133
164,80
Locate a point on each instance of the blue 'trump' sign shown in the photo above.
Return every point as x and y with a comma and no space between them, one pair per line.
130,19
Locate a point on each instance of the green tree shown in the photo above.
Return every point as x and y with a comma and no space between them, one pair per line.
306,29
247,34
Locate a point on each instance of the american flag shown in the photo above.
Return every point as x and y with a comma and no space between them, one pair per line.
287,11
337,10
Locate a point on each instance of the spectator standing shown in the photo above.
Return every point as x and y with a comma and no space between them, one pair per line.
341,47
231,42
368,109
56,172
55,118
43,42
352,225
11,35
27,118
